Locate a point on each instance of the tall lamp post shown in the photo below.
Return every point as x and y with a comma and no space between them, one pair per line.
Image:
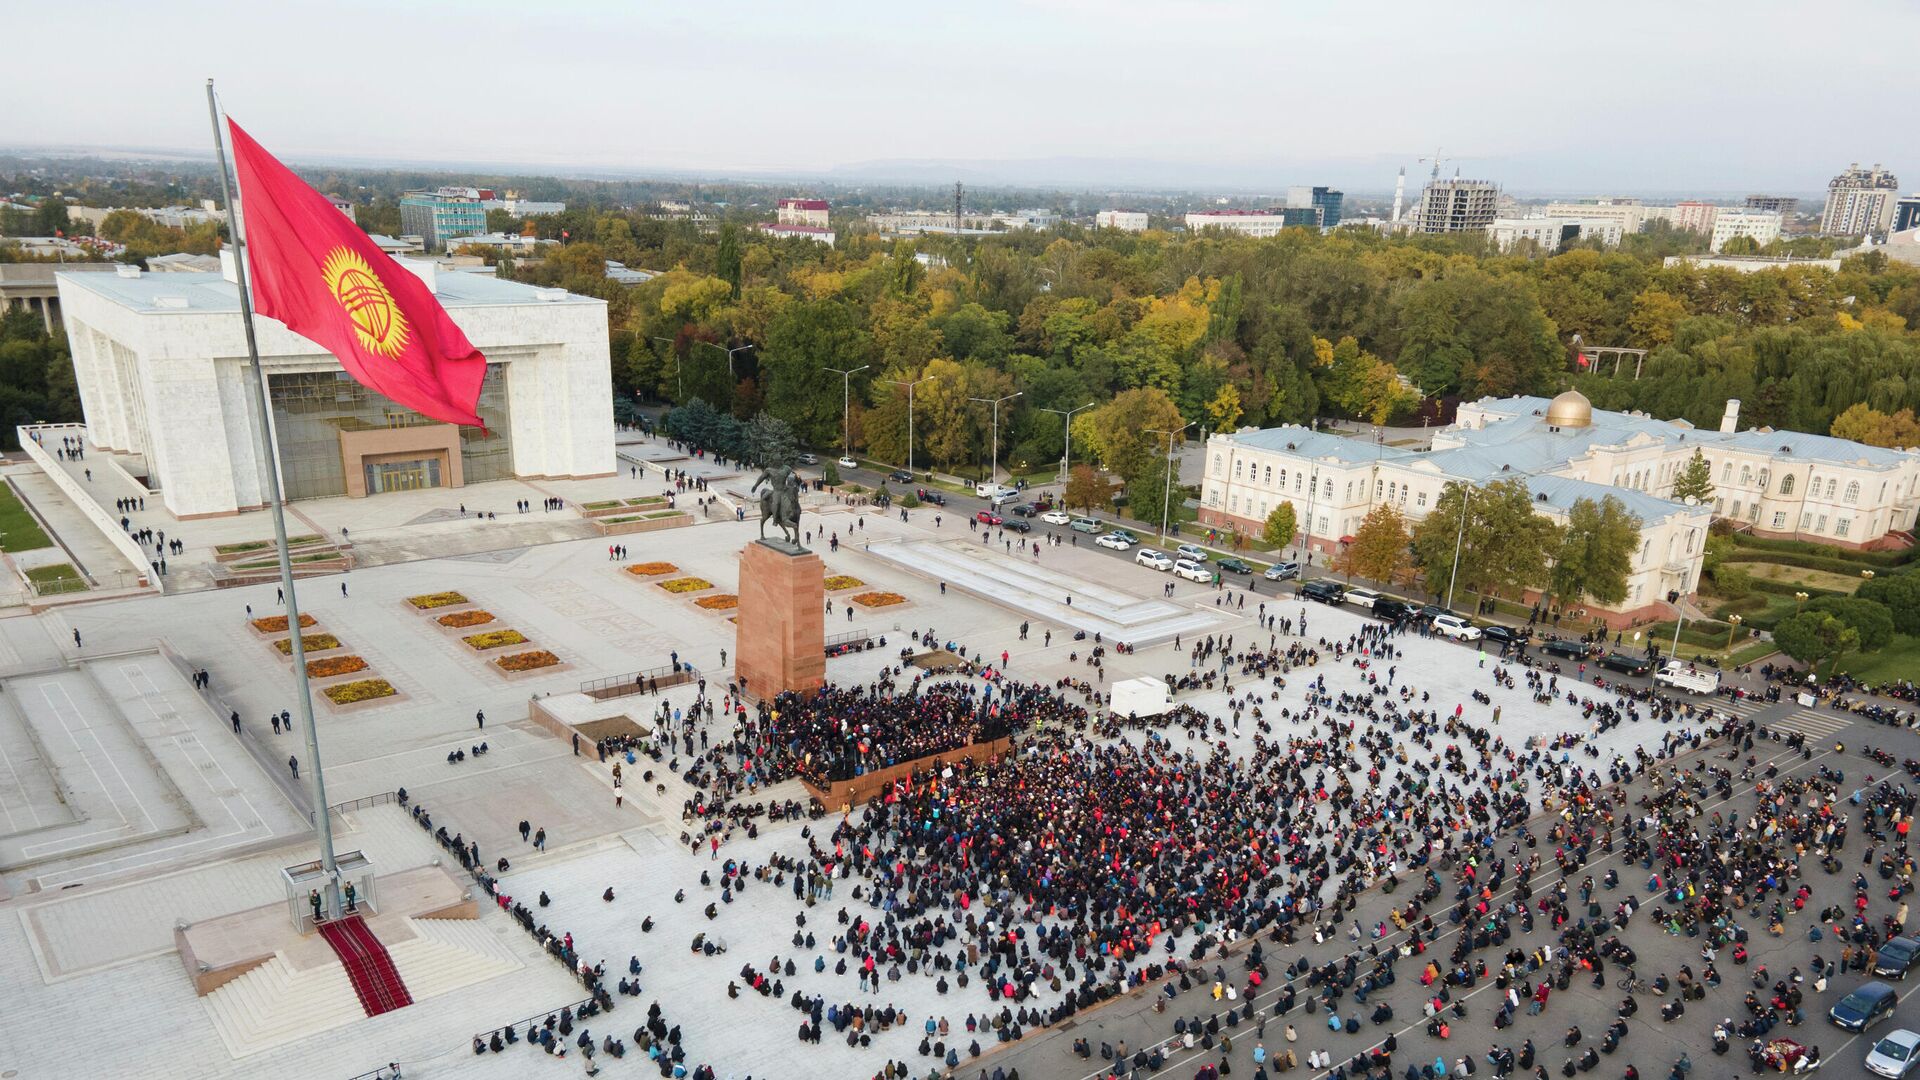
910,386
846,407
993,471
1459,539
1066,452
729,352
1733,627
1166,496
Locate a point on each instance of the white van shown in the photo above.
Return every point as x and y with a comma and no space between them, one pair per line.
996,493
1684,676
1362,598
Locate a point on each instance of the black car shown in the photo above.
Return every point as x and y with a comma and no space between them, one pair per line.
1868,1005
933,498
1896,957
900,476
1019,525
1233,566
1572,650
1626,664
1427,614
1392,610
1327,592
1506,634
1033,509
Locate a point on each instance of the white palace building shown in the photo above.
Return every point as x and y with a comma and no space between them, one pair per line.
161,363
1783,484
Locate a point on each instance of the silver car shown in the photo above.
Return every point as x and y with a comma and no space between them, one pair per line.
1893,1055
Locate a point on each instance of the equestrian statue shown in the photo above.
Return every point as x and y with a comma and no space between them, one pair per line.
781,501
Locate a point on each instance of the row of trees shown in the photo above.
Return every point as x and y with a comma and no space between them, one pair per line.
36,375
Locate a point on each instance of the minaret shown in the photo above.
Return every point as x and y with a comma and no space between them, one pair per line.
1399,193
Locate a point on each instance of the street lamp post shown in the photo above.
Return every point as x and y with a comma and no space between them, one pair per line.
1459,539
846,407
910,386
729,352
1166,497
1066,452
1799,598
1733,627
993,470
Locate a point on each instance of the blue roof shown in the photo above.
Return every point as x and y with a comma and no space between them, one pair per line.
1293,438
1562,492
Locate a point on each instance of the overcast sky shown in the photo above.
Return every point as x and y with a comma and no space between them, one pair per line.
1682,95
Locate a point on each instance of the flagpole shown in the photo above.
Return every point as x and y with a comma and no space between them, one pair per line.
323,824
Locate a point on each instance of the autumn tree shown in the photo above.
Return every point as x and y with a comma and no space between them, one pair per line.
1126,432
1594,555
1863,423
1379,550
1157,500
1087,490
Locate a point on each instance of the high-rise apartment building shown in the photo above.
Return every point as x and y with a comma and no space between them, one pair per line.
1784,205
1456,205
1906,213
1325,199
1860,202
440,215
1694,216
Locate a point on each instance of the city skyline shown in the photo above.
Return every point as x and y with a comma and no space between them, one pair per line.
1036,93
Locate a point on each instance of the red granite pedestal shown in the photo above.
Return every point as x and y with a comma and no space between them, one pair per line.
781,625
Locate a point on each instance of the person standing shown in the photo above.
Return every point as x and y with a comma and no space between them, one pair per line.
480,718
293,763
76,637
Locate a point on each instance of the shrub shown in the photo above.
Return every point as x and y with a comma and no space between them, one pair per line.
277,624
910,500
686,585
1732,582
842,581
429,601
527,661
360,690
494,639
328,666
648,500
308,642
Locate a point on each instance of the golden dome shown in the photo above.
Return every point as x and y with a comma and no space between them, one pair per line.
1571,409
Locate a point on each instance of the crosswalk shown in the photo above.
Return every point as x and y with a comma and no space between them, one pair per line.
1819,725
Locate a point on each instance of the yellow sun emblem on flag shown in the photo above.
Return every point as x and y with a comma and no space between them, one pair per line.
376,317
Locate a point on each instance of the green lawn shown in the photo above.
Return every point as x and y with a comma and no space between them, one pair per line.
18,530
56,578
1899,660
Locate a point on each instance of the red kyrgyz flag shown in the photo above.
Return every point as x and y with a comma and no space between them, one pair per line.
316,271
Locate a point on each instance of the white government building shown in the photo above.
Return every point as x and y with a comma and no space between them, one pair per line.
161,363
1783,484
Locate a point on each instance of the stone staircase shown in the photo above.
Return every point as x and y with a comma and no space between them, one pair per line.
275,1004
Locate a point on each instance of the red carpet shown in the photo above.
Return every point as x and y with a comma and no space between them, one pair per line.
368,965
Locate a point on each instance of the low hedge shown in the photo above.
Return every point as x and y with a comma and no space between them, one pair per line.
1788,588
1795,559
1705,633
1829,551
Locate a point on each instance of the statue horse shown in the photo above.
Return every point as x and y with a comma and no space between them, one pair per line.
780,502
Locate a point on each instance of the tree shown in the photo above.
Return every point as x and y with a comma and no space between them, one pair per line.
768,440
1125,433
1224,410
1900,594
726,259
1087,490
1595,554
830,473
1867,618
1504,544
1280,527
1153,501
1379,549
1813,637
1863,423
1695,481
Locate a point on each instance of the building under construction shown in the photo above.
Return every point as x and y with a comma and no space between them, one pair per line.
1456,205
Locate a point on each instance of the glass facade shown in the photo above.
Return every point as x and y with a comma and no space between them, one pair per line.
312,408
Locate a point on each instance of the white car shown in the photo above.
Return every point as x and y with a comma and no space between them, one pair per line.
1159,560
1115,541
1893,1055
1362,598
847,463
1456,628
1056,517
1193,571
1193,552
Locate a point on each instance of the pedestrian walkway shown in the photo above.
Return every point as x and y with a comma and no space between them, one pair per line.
1816,724
91,552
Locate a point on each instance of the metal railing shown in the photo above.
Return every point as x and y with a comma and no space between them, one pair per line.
614,686
575,1006
851,641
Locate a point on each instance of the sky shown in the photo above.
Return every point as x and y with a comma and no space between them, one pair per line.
1544,95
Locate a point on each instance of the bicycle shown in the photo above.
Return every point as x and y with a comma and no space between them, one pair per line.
1633,984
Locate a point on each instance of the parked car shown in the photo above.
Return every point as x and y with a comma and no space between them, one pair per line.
1192,551
933,498
808,459
1869,1004
1087,525
1626,663
1159,560
1430,613
900,476
1896,957
1056,517
988,517
1505,634
1565,647
1456,628
1019,525
1193,571
1893,1055
1027,510
1282,571
1131,536
847,463
1233,566
1327,592
1390,609
1116,541
1361,598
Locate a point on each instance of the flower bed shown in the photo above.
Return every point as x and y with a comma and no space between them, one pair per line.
494,639
328,667
842,581
527,661
604,504
277,624
879,599
429,601
721,602
309,642
685,585
460,619
652,569
359,690
648,500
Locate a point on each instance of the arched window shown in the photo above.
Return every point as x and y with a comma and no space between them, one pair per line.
1853,491
1831,484
1786,484
1236,469
1746,475
1764,475
1219,465
1269,476
1283,479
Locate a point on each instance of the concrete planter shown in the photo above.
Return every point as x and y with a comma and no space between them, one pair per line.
677,520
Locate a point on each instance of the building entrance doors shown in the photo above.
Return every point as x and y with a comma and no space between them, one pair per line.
410,475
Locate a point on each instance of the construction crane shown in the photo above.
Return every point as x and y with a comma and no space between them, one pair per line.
1436,159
